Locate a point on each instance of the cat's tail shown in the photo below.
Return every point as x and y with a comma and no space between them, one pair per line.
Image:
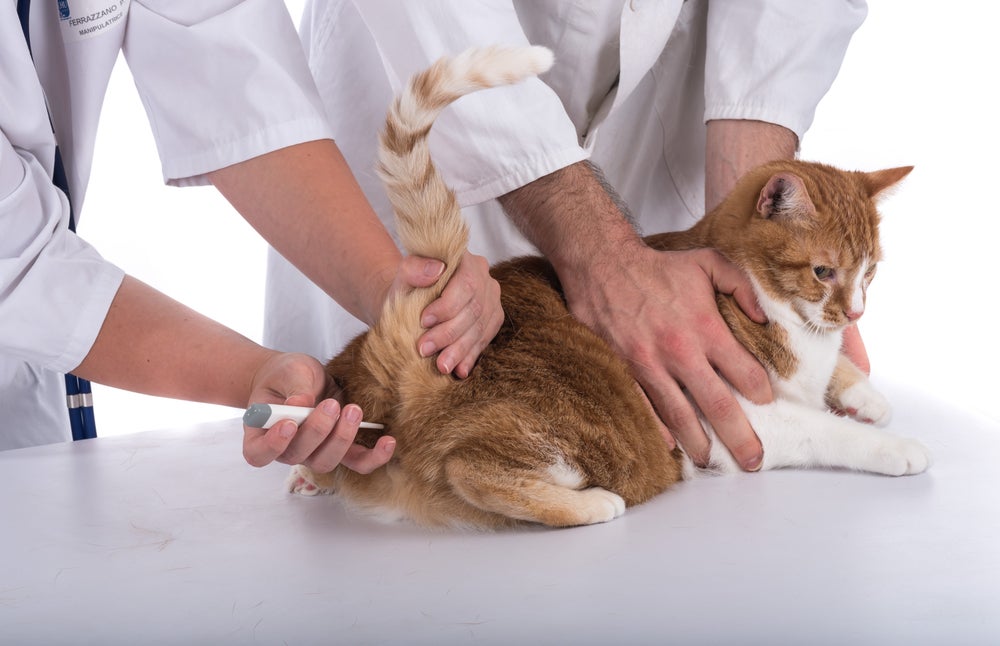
427,215
428,219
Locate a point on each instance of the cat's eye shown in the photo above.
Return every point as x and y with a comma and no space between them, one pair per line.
823,273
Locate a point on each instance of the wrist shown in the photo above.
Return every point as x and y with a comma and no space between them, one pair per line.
381,274
256,362
575,218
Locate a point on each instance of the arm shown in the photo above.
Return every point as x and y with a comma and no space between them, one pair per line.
267,171
152,344
304,201
733,147
338,241
656,309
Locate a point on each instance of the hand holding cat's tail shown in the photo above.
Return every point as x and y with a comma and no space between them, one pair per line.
428,218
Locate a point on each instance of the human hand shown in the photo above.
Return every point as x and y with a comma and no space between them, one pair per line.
462,322
326,437
658,311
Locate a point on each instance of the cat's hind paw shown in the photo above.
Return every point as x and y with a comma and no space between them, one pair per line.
899,456
303,481
600,506
865,404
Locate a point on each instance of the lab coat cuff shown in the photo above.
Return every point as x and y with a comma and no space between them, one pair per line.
191,170
89,318
794,120
524,172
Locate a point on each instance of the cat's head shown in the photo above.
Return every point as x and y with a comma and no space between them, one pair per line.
808,235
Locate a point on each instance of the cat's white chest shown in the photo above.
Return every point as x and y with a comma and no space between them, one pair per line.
817,358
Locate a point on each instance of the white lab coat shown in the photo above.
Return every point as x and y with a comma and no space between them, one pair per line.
632,87
221,80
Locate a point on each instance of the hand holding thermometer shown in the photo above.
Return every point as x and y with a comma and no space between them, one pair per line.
267,415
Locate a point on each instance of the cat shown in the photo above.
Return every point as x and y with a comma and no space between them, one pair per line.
551,427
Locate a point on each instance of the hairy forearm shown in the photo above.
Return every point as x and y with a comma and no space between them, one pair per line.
152,344
733,147
306,203
573,218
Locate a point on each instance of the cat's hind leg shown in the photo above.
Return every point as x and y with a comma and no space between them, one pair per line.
552,494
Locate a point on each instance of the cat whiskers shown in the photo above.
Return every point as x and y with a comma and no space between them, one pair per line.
814,328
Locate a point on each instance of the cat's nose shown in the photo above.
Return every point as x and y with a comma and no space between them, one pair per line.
853,314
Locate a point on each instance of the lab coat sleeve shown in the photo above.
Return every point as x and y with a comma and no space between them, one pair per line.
222,81
490,142
55,289
773,60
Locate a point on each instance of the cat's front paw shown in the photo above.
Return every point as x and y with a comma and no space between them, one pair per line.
865,404
303,481
898,456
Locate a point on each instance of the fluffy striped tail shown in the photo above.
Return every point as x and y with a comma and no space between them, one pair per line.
428,219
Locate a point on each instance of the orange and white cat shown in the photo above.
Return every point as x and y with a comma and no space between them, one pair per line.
550,427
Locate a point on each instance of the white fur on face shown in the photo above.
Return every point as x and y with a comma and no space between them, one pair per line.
859,287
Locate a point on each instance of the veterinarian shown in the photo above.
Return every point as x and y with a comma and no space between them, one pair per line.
232,103
674,100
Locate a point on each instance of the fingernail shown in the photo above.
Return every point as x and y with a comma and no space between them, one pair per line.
428,320
389,446
287,430
353,414
330,407
754,463
427,348
433,268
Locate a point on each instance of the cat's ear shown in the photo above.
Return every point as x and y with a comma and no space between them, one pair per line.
785,198
877,181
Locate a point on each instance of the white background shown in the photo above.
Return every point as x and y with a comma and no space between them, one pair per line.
917,88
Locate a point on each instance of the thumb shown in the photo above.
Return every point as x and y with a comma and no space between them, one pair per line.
727,278
300,400
417,271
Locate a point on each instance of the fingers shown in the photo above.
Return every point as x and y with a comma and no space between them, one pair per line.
737,365
420,272
463,321
664,431
324,437
727,278
321,442
721,409
714,399
706,366
364,461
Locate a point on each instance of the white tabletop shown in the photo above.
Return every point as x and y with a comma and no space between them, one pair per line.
169,537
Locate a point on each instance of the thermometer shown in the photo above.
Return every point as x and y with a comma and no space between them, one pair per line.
267,415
